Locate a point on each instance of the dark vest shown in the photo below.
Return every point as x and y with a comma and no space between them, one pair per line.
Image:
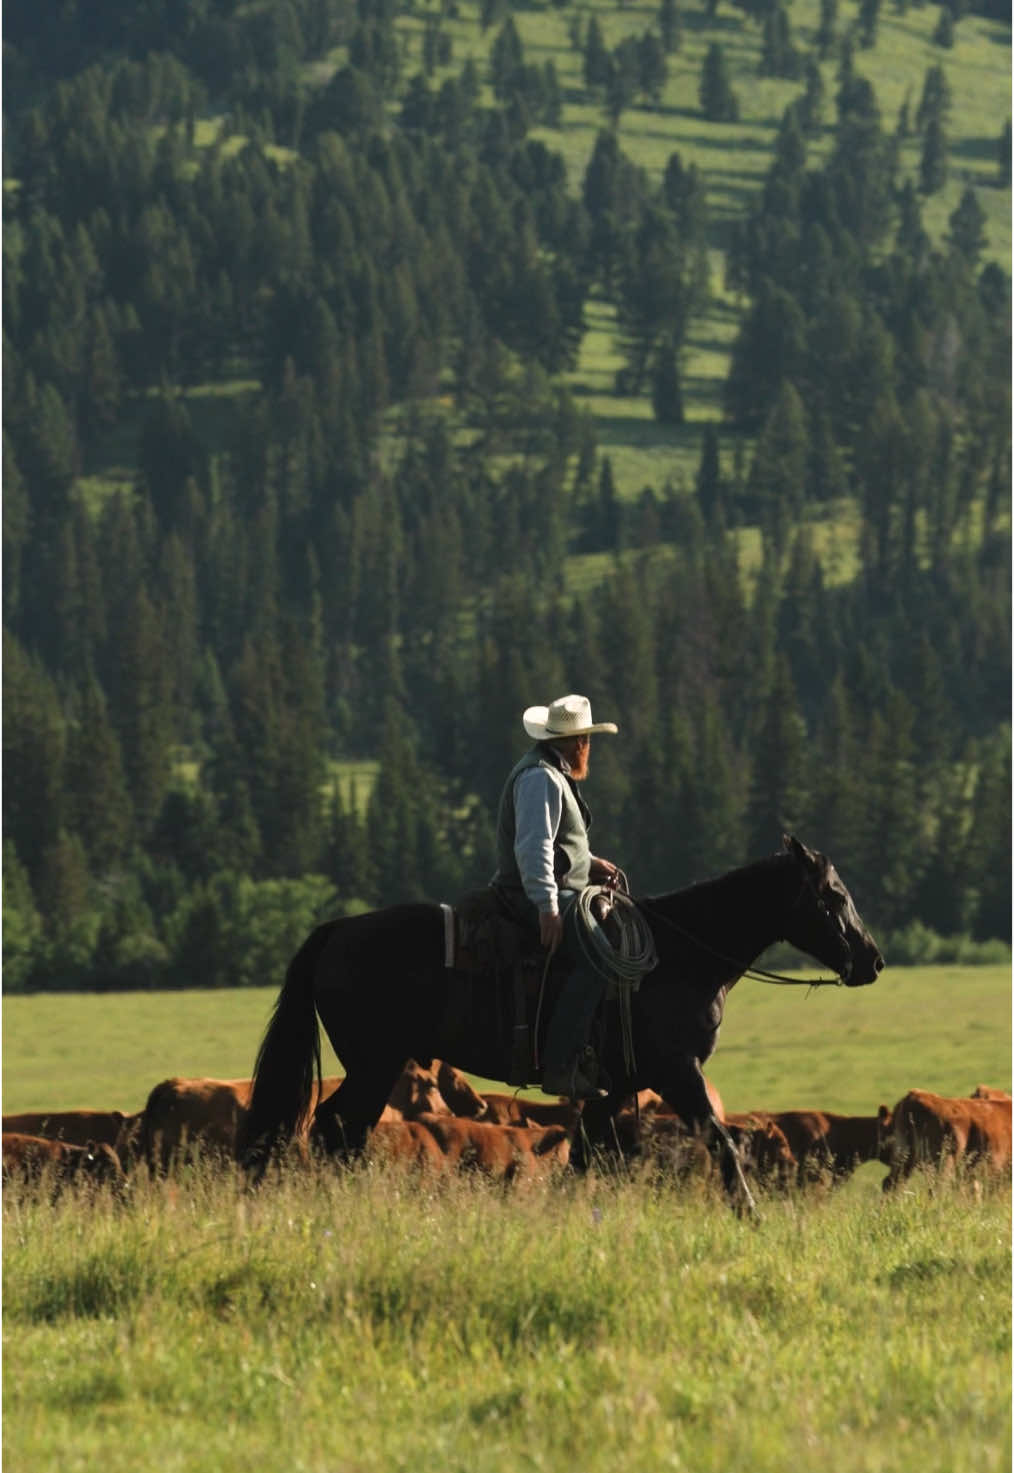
571,854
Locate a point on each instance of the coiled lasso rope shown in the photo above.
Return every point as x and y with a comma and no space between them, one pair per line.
624,965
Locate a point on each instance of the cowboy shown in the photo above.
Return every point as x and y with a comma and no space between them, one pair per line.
543,863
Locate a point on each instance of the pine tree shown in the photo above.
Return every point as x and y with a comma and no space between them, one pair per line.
652,71
506,59
933,161
670,25
967,228
719,103
778,471
609,516
141,709
709,484
349,862
946,899
392,816
666,390
943,32
770,349
837,793
826,32
869,15
63,891
1003,157
23,928
16,512
894,855
779,57
935,99
34,753
778,797
989,846
98,804
811,107
596,56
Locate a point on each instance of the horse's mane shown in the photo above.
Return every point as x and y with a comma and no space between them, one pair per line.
705,889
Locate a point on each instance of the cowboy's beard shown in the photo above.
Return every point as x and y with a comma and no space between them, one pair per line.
580,764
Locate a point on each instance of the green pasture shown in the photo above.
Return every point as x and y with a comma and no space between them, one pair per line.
941,1028
366,1320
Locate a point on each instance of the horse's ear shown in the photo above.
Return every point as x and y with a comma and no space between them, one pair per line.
792,844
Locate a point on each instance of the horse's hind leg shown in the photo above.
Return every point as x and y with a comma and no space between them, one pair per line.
341,1124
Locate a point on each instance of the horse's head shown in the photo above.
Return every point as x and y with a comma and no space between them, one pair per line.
825,923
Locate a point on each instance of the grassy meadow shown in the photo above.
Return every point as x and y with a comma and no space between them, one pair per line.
941,1028
366,1321
359,1321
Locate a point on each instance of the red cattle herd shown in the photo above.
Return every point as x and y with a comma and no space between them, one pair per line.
437,1122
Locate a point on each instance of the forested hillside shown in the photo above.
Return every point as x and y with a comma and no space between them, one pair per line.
305,498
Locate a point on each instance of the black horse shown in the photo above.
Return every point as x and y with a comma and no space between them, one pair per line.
380,987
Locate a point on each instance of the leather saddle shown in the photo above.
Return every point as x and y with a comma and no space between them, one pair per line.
487,941
492,944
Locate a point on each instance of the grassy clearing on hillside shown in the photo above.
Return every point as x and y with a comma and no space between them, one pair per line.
368,1321
941,1028
354,781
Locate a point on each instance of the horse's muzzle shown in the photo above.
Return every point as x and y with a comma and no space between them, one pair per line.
866,973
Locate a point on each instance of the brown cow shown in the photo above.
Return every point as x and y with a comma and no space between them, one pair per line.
35,1157
826,1145
503,1109
765,1152
207,1113
407,1142
648,1100
934,1130
505,1152
665,1142
105,1127
187,1116
458,1094
78,1127
433,1089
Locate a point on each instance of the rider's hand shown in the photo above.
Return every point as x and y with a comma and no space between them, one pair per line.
550,931
603,872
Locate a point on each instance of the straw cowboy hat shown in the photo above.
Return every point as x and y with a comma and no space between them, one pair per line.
568,716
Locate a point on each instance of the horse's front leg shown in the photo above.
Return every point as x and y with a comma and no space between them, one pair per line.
687,1093
595,1134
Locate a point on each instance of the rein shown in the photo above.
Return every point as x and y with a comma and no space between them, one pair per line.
758,974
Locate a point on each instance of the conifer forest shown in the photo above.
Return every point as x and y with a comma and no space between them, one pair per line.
304,501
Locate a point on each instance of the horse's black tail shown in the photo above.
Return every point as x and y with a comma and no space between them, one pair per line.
288,1060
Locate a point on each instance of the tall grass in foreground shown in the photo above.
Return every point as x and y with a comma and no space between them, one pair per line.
370,1320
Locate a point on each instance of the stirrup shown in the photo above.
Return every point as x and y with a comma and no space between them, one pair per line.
581,1081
